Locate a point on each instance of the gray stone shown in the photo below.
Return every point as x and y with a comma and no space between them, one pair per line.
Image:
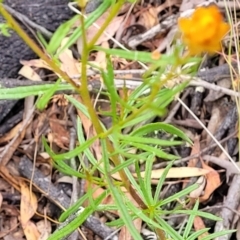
47,13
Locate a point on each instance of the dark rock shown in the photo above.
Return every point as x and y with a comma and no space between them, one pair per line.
47,13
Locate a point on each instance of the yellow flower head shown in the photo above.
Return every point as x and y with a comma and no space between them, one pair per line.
204,30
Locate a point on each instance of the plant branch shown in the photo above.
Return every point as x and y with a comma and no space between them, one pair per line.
94,118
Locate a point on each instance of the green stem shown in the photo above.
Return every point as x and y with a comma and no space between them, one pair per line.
94,118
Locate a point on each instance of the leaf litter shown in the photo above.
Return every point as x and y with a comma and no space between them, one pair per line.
56,120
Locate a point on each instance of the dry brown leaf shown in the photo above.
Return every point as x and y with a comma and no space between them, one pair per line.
45,229
195,149
1,200
177,172
65,179
60,135
38,63
69,64
12,146
213,182
214,122
201,185
111,29
199,225
29,73
86,122
193,162
149,18
101,57
28,204
5,174
39,124
31,231
10,135
238,229
28,207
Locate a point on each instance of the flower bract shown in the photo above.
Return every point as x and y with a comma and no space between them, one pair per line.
204,30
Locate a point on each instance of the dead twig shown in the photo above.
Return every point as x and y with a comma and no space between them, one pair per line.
56,195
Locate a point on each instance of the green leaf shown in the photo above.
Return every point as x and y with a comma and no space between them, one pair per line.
160,126
70,154
117,195
141,184
198,213
87,152
159,153
44,99
161,182
60,34
73,208
4,28
190,221
138,56
168,229
197,234
64,168
163,143
77,221
78,105
177,195
108,78
88,22
218,234
147,180
22,92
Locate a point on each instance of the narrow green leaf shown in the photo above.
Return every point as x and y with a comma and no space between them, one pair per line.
75,223
161,182
147,140
22,92
88,22
118,198
199,213
160,126
168,229
195,235
70,154
190,221
139,56
218,234
44,99
73,208
60,34
178,195
147,179
108,78
64,168
159,153
141,184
